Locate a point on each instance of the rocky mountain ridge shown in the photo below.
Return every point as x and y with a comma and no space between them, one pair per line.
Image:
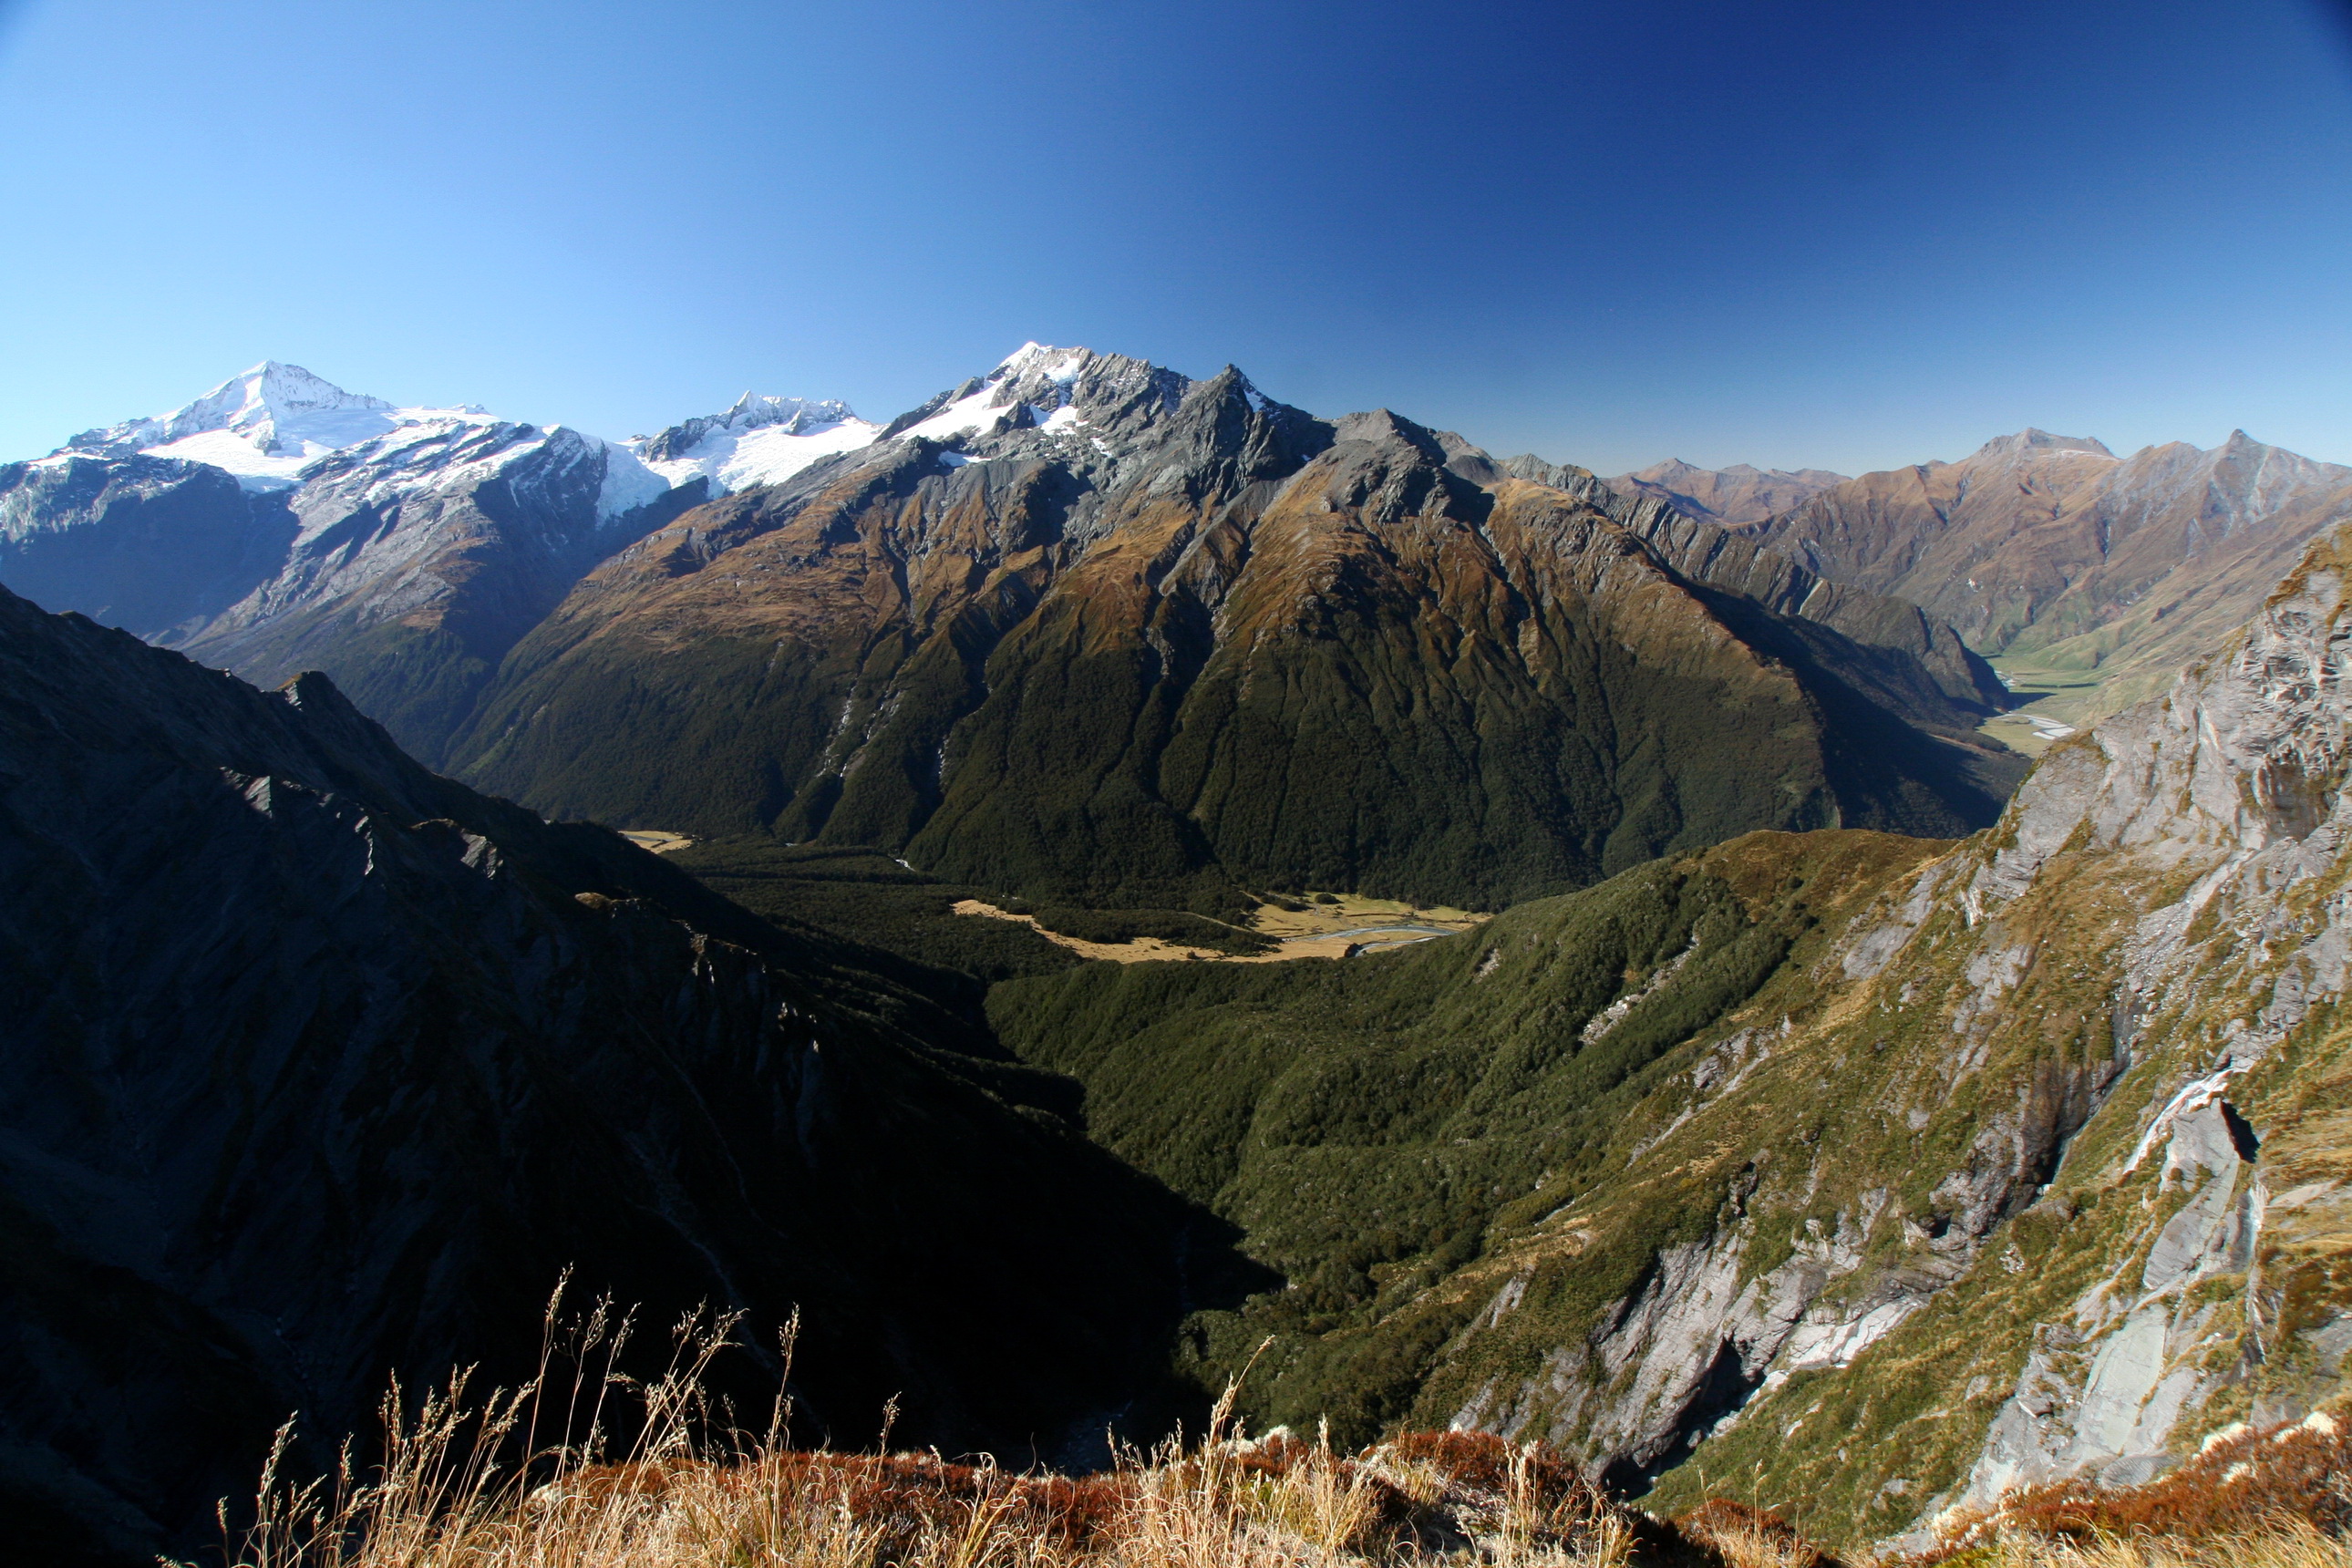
1087,627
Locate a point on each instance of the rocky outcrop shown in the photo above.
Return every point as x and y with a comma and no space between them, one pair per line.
1089,630
2127,996
320,1067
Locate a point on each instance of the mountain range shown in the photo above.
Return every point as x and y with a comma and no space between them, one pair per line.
1824,1105
1740,495
2088,579
279,523
1082,628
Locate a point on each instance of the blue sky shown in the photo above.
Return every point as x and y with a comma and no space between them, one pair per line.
1797,234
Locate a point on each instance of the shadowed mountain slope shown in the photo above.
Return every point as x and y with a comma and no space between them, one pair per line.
1882,1174
320,1067
1091,631
2087,575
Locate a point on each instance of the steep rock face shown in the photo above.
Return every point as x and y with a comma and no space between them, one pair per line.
1881,1175
1089,628
2097,576
321,1068
1740,495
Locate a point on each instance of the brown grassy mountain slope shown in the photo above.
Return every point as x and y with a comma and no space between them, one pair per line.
1093,631
2087,576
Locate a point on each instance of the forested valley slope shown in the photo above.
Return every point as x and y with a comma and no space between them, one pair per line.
1881,1174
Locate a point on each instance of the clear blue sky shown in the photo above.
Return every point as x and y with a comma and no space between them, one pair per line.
1844,235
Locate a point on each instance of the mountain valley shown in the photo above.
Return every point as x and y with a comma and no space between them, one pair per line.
1796,1085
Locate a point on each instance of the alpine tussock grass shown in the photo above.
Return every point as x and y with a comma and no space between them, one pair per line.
585,1466
538,1477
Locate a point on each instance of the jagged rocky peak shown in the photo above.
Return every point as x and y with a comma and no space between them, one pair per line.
1054,390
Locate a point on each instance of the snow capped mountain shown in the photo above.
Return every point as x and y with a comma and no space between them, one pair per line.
268,424
1071,402
262,424
279,523
758,441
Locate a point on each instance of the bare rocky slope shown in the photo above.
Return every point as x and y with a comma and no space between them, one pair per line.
1090,630
1878,1173
319,1067
2085,575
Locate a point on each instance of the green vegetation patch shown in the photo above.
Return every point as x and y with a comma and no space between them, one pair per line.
1376,1126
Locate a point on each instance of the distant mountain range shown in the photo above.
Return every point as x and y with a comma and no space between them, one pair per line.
2088,579
279,523
1737,497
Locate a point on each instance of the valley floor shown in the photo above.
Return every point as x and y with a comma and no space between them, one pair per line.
1342,925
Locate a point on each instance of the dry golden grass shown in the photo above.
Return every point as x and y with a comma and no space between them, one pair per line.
2287,1545
535,1477
531,1478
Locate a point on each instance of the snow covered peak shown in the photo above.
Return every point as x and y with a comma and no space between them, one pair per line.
1060,366
758,441
262,424
272,405
798,415
1041,387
